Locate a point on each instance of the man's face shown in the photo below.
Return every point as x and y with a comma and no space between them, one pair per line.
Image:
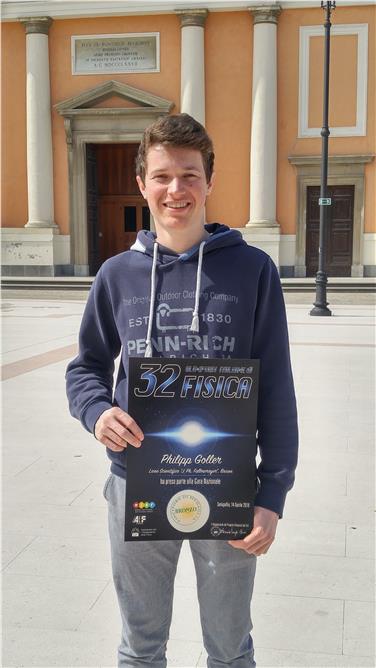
175,188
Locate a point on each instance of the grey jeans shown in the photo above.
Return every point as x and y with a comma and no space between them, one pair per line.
144,576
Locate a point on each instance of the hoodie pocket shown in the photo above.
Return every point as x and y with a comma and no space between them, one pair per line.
107,485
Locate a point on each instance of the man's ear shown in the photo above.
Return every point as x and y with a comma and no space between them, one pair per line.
210,184
141,186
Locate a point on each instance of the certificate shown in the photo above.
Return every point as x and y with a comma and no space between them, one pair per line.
194,475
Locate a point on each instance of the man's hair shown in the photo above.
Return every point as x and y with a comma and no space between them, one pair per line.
180,131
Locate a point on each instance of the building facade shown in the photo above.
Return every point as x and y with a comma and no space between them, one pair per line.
81,81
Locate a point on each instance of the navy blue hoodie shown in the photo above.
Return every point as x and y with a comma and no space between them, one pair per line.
220,299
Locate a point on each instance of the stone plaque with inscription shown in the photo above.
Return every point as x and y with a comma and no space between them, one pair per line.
130,52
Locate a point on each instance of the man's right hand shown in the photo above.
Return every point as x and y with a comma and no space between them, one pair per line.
116,429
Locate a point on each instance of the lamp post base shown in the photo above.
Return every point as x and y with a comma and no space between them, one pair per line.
320,310
320,306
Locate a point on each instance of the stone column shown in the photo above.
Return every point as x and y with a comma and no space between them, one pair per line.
39,136
192,100
262,228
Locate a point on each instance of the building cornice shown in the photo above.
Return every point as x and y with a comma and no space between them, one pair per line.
304,160
12,10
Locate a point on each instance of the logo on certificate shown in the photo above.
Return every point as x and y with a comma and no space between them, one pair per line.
188,511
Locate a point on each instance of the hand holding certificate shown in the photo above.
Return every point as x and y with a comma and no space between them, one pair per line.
194,475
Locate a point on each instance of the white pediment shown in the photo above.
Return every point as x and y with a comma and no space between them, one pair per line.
89,99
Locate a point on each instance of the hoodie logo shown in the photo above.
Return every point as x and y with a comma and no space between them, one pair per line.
165,314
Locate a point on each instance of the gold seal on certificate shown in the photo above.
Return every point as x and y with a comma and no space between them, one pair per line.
188,511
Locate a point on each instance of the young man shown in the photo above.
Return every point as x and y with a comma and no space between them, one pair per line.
223,299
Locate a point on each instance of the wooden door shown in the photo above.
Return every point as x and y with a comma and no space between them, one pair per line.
339,230
120,218
116,209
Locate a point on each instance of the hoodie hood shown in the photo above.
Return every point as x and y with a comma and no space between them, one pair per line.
220,236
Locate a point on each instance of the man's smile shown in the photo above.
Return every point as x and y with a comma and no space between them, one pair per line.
176,205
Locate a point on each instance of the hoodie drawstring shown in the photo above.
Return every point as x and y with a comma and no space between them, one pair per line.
195,324
149,347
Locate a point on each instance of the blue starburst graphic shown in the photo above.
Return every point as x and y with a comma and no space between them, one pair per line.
192,433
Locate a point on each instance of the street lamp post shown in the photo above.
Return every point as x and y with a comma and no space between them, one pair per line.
321,305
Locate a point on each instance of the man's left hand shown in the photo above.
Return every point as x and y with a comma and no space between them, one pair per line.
262,535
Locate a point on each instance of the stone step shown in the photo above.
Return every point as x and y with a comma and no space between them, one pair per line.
82,283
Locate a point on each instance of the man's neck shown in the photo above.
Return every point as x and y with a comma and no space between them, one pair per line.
181,245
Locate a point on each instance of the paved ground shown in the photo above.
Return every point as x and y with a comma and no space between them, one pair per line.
312,604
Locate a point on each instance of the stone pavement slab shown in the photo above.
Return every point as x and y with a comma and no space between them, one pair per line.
316,576
85,559
299,622
313,594
52,520
288,659
12,545
47,648
360,542
47,602
359,628
311,537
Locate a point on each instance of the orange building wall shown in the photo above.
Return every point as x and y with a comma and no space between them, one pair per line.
13,126
342,80
288,89
228,72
